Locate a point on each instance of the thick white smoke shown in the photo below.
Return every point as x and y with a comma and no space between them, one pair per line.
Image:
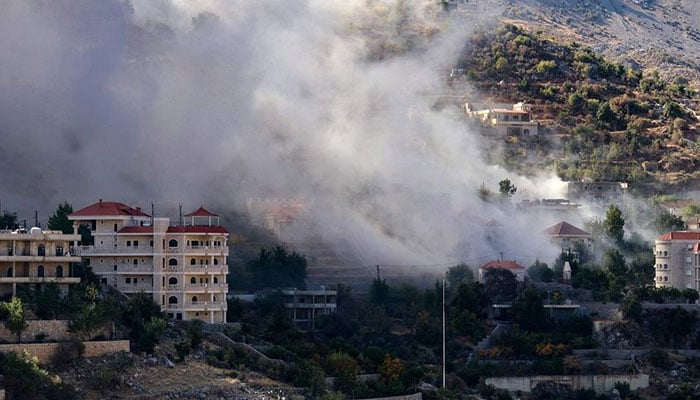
215,102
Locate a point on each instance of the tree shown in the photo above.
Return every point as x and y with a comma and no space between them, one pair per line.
277,268
59,220
691,295
143,316
8,220
49,302
540,272
614,224
506,188
15,323
614,262
459,273
667,222
379,292
500,284
528,311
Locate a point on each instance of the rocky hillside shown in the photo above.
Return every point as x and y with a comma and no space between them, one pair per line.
650,34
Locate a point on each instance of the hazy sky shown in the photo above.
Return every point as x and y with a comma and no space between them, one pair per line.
214,102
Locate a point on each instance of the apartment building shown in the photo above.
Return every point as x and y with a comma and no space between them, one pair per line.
183,267
34,257
678,260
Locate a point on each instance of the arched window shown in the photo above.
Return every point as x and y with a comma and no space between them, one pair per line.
194,299
216,279
41,251
40,271
193,280
172,300
172,262
172,280
216,261
172,243
59,272
193,262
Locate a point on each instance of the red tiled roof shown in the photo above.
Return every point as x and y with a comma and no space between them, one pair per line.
201,212
502,264
108,209
197,229
679,235
136,229
565,229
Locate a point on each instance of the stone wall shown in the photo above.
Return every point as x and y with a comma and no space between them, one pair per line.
417,396
45,352
598,383
54,330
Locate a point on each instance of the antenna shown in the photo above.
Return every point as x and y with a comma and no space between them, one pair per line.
36,218
153,212
180,213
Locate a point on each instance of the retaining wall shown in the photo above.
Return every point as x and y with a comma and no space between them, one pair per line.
417,396
53,330
598,383
45,352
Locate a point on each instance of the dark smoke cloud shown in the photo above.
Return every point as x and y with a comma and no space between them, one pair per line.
215,102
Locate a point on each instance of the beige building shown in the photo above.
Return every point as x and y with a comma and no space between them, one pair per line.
567,236
678,260
35,257
516,121
183,267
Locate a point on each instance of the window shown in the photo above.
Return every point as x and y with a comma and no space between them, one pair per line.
9,271
115,267
136,243
172,262
40,271
665,278
127,280
115,227
136,262
172,243
193,262
193,280
216,280
172,300
151,243
59,272
194,299
41,251
59,251
216,261
172,281
128,243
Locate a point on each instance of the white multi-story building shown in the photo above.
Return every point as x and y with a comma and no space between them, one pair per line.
35,257
183,267
678,260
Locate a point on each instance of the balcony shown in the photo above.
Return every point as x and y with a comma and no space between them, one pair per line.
204,305
131,269
113,250
130,288
206,287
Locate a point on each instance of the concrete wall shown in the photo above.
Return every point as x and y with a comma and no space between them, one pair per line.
598,383
46,351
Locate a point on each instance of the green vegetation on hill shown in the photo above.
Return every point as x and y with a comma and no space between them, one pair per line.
609,118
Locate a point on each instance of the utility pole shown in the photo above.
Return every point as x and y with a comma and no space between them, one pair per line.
36,218
378,276
443,333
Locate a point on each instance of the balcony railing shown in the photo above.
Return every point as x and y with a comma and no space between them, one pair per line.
134,269
102,249
205,287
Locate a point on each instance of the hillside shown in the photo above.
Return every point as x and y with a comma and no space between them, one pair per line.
603,120
650,34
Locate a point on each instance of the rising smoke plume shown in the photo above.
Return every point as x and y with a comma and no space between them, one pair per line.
215,101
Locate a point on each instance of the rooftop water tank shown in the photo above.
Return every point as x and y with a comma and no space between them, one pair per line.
35,231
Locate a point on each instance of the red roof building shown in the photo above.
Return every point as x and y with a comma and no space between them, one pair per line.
183,267
512,266
567,236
